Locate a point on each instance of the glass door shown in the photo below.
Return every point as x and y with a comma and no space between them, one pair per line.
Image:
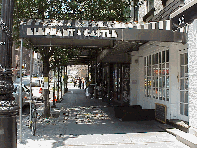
183,85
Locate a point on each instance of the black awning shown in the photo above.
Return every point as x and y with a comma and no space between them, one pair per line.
184,15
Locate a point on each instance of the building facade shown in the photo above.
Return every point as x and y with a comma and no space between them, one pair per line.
160,73
165,72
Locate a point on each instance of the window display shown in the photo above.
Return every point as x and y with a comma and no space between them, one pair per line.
156,70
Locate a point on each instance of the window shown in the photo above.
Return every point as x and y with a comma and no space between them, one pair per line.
149,5
184,84
156,75
136,9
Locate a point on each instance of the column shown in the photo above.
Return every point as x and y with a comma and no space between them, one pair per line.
134,73
174,80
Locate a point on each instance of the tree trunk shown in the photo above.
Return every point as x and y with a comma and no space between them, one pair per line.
46,87
54,90
64,81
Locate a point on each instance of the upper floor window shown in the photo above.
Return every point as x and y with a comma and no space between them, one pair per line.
149,5
164,2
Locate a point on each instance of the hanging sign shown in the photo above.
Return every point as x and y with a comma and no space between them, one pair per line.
71,29
71,32
46,83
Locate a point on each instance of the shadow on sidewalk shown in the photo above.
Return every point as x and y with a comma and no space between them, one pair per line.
78,115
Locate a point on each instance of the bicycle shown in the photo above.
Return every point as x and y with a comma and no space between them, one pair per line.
33,117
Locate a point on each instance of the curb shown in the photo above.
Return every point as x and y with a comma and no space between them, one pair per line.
186,138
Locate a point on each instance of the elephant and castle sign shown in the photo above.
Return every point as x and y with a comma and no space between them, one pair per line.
110,30
68,29
71,32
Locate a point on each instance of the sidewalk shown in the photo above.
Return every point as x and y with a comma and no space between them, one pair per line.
85,123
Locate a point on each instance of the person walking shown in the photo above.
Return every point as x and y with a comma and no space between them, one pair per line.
79,82
75,82
83,83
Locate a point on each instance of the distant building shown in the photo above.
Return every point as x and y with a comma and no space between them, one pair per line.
37,62
78,70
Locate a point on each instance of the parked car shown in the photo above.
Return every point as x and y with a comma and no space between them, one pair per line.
25,81
25,94
37,85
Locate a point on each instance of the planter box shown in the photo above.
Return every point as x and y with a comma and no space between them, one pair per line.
120,111
139,115
134,113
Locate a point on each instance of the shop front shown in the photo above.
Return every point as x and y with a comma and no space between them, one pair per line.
116,83
161,73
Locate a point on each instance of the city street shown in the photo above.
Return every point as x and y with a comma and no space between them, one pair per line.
138,59
84,122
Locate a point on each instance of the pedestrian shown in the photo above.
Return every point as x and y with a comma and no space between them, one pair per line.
75,82
83,83
79,83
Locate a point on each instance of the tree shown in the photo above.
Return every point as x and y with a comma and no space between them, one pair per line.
52,58
98,10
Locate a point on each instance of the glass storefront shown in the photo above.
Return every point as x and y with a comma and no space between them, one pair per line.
116,80
156,75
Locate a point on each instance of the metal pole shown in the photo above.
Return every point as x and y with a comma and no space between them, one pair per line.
58,86
61,81
66,78
95,91
53,106
88,71
20,100
31,62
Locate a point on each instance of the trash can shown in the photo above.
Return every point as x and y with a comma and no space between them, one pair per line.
8,129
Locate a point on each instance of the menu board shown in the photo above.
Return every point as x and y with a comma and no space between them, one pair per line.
160,112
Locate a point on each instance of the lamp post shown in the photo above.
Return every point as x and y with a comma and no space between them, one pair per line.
8,108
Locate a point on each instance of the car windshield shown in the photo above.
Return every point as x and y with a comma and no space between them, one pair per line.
24,81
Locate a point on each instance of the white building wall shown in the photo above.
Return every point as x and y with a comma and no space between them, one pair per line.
140,95
142,12
176,49
174,81
188,1
158,6
134,78
192,64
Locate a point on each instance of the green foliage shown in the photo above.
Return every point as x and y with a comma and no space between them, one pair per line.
97,10
61,55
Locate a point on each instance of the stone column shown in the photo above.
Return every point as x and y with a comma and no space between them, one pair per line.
192,68
134,73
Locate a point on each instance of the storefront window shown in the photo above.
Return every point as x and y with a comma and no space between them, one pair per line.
156,75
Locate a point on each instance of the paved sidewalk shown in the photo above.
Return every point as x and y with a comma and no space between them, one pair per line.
85,123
